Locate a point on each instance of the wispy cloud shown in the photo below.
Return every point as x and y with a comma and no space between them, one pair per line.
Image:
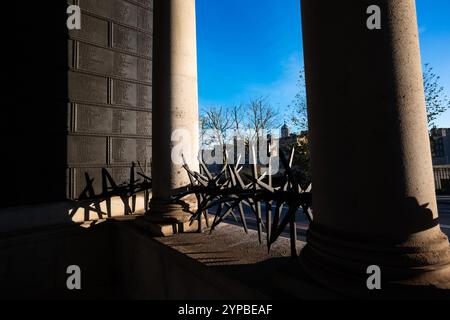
280,92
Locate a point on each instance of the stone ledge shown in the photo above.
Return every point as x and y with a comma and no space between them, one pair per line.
134,264
64,213
239,256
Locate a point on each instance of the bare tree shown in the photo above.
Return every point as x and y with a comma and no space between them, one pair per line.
436,101
261,116
219,121
298,119
203,129
238,120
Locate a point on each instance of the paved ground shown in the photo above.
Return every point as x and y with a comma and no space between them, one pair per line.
229,251
302,224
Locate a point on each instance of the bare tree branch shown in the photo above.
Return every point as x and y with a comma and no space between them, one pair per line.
219,121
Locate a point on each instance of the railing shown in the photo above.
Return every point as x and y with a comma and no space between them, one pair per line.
442,179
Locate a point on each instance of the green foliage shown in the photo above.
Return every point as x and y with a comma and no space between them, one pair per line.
302,157
435,99
298,111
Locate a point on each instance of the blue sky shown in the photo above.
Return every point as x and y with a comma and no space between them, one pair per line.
251,48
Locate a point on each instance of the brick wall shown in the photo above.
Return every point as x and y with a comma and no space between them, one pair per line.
109,91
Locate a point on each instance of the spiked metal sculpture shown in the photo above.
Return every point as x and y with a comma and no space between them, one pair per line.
227,193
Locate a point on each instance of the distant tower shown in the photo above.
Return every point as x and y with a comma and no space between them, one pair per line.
285,131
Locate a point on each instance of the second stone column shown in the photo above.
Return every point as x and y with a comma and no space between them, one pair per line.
175,105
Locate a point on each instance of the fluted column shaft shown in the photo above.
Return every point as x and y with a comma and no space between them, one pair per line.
175,102
374,197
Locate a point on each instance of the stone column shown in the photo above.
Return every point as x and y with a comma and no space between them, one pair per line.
374,197
175,104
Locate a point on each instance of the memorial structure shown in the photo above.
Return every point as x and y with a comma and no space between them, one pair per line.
112,94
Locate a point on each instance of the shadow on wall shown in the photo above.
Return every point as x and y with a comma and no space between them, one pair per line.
34,115
113,200
419,216
341,260
405,219
113,193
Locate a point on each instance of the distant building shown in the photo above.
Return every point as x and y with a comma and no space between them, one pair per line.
285,132
442,179
440,146
288,140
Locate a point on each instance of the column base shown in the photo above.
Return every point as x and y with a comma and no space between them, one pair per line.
418,267
166,219
164,211
169,229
